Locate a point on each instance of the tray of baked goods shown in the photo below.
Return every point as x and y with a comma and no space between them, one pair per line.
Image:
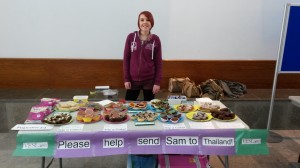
146,116
185,108
88,115
199,116
170,116
115,113
138,106
58,119
223,114
158,105
67,106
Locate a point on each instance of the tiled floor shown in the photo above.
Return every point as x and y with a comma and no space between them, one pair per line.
253,108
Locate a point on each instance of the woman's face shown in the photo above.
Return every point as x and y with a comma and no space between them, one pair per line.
144,23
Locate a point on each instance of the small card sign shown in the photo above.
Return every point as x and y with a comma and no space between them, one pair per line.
70,128
115,127
174,126
231,125
32,127
201,125
35,145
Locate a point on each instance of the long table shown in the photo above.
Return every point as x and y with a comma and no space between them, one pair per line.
101,138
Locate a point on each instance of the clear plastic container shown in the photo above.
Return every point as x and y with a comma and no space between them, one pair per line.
110,93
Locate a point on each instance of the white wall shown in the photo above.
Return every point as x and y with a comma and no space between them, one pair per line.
97,29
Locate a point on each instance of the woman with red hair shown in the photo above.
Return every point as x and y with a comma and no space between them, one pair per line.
142,62
142,67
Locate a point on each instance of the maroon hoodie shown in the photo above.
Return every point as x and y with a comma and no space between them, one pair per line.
142,62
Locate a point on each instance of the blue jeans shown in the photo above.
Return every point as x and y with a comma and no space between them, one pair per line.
142,161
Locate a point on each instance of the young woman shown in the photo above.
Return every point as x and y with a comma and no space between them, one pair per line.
142,67
142,62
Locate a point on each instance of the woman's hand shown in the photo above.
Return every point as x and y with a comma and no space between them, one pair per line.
127,85
155,89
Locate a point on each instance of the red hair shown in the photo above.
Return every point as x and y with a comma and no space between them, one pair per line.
149,16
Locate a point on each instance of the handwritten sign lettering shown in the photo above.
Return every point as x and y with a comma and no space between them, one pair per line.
35,145
248,141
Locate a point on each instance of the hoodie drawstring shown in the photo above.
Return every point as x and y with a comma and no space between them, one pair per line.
133,44
153,49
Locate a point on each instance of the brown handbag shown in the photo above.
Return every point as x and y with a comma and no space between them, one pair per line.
175,84
190,89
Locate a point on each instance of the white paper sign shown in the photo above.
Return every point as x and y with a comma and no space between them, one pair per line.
229,125
181,141
174,126
113,143
149,141
201,125
32,127
74,144
217,141
35,145
115,127
70,128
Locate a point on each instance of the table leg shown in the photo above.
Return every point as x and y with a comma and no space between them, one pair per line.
60,162
226,162
43,162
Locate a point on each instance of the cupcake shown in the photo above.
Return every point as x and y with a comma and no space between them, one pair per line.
79,117
164,119
87,119
150,118
133,117
96,117
174,120
140,119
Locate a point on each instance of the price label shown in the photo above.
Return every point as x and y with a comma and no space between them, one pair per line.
115,127
201,125
71,128
174,126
